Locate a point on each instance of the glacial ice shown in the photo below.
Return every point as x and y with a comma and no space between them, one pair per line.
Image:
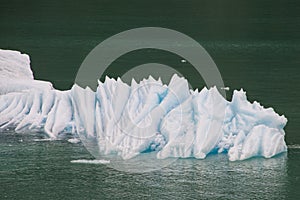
128,120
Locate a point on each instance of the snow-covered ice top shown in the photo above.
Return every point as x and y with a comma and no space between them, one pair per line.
15,65
15,73
118,119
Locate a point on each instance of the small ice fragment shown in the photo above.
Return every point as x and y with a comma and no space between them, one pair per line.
91,161
225,88
74,140
44,139
294,146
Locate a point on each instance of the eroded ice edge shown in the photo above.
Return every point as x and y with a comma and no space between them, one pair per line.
123,120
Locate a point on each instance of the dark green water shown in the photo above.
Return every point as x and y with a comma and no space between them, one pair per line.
255,44
42,170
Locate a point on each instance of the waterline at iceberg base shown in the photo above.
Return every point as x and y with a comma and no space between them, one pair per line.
168,121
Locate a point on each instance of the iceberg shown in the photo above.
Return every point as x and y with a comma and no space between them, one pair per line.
124,120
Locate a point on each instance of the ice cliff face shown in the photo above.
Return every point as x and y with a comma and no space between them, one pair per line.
124,120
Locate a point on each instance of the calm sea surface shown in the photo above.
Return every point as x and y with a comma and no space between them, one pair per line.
255,44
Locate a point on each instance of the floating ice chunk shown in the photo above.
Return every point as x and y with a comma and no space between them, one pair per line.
74,140
225,88
91,161
294,146
45,140
128,120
